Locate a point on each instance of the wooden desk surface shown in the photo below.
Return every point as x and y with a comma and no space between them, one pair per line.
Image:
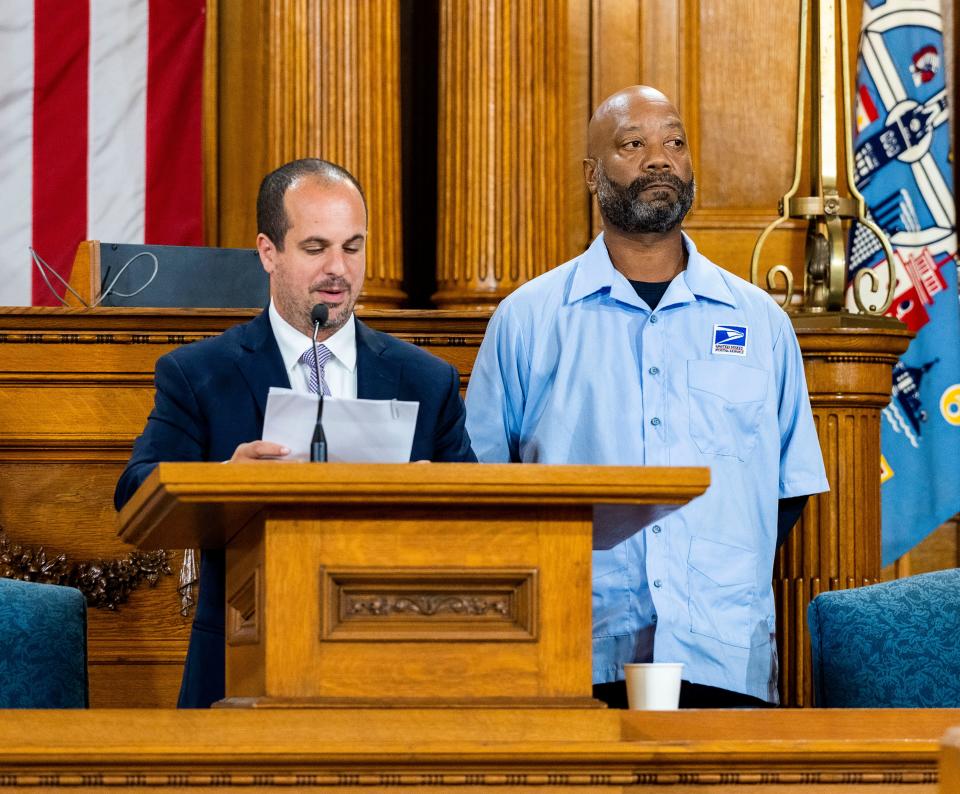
482,749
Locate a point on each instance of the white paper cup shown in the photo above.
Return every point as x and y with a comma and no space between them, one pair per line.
653,686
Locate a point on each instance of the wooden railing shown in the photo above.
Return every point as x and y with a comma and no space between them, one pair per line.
477,749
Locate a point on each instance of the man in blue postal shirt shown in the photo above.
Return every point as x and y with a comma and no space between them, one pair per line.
211,395
642,352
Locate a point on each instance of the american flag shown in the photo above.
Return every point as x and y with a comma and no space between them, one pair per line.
100,131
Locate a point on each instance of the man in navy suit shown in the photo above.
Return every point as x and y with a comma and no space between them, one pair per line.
211,395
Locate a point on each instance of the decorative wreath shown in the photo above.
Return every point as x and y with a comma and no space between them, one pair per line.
106,584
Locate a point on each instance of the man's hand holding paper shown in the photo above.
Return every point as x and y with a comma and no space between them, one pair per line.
357,431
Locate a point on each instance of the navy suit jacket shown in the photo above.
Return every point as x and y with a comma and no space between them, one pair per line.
210,398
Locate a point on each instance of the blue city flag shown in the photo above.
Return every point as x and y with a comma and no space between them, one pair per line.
901,147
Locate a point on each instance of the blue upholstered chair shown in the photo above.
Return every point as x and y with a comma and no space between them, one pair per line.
43,646
895,644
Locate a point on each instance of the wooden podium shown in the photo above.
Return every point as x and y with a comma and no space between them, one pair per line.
403,585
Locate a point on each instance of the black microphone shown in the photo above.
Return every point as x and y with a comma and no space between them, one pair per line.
318,447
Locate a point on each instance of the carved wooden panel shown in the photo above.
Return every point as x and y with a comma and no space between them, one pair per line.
235,128
62,500
837,543
422,604
848,363
511,201
244,611
315,78
75,390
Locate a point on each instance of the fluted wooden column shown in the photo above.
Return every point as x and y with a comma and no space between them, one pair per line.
334,92
510,202
848,360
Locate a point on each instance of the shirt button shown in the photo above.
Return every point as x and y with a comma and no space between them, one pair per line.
655,421
657,583
654,370
654,318
656,529
654,619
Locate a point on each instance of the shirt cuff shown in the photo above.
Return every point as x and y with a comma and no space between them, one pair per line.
806,487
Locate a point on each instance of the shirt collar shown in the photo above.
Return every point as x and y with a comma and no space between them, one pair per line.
700,279
342,345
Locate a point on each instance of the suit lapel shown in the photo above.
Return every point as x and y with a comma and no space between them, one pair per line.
378,375
260,361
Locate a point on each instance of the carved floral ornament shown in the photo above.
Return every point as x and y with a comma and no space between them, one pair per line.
426,605
105,584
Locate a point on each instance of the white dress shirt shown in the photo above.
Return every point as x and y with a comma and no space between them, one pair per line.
340,371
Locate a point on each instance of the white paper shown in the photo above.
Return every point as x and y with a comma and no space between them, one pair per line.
357,431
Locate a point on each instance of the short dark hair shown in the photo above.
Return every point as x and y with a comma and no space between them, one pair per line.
272,217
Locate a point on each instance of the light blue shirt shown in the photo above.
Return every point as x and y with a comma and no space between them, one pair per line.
575,368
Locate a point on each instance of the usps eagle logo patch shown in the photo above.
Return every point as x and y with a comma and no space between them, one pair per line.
730,340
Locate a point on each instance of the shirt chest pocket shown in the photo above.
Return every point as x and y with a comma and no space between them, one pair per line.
726,402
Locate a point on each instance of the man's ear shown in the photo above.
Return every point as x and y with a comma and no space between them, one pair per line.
590,174
267,251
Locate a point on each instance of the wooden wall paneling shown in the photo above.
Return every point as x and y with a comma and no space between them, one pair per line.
135,653
210,131
313,78
334,92
573,189
505,146
615,47
637,42
848,362
617,52
740,108
731,70
65,506
241,123
75,390
664,61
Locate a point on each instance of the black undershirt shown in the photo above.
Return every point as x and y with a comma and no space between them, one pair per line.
788,513
651,292
788,510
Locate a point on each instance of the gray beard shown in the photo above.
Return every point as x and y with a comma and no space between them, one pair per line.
622,207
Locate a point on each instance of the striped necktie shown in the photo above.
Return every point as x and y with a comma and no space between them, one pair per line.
307,360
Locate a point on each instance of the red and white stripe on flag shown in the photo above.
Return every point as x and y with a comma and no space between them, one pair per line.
100,125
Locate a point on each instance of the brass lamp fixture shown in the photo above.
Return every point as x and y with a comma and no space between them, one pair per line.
825,210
